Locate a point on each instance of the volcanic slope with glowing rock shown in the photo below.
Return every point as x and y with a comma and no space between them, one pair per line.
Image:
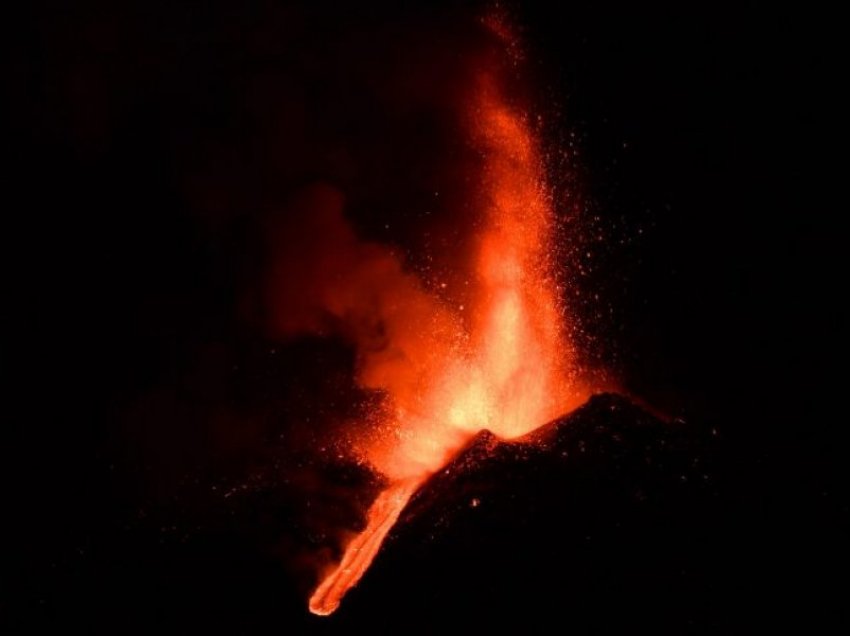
609,504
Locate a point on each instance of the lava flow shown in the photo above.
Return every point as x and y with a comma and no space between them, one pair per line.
503,363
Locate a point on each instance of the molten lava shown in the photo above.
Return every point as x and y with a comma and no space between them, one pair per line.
502,363
359,554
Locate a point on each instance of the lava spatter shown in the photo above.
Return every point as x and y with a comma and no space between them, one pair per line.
508,367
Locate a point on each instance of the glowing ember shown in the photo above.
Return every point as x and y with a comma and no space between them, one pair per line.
504,366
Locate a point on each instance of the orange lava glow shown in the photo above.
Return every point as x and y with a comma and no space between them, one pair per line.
363,548
503,363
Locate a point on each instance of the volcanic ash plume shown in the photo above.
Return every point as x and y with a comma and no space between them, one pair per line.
500,361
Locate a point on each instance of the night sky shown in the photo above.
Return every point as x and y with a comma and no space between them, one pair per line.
151,146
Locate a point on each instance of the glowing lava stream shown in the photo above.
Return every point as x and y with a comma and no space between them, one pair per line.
359,554
510,370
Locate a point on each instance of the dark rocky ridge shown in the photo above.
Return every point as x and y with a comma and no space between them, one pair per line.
606,520
599,521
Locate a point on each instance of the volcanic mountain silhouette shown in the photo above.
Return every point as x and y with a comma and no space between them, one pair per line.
596,521
604,520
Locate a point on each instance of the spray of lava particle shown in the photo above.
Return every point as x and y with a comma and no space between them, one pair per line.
507,367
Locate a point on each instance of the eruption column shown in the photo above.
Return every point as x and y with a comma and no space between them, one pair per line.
509,370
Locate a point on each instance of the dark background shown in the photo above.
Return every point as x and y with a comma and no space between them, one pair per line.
703,138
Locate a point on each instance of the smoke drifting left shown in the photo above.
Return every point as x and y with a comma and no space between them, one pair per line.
194,184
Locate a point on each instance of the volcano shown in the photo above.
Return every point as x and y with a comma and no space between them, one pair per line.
594,520
606,519
229,224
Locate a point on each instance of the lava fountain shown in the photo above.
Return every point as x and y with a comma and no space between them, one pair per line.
506,364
